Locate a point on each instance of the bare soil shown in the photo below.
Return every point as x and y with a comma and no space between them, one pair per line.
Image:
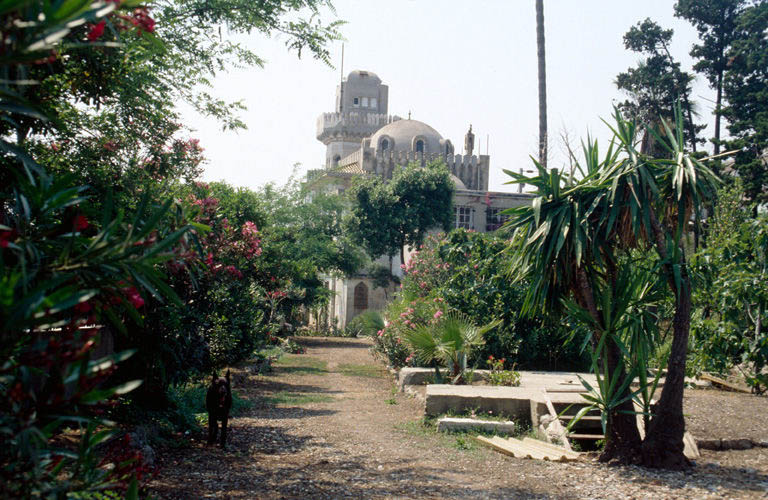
334,429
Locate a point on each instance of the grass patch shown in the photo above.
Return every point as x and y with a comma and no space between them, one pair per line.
372,371
426,427
297,398
302,365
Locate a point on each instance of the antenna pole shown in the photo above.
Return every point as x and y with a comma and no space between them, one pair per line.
341,81
487,143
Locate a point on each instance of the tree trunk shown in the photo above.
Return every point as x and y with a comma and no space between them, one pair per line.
622,438
542,83
663,445
718,102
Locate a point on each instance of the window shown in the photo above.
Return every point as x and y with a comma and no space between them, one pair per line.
494,219
384,145
373,102
356,102
463,217
419,146
336,160
361,297
365,102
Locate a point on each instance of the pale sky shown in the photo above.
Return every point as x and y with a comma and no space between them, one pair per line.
450,63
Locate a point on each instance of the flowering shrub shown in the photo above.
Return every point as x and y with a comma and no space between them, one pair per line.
404,316
465,272
500,376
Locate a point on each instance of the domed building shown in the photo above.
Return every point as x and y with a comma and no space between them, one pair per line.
361,138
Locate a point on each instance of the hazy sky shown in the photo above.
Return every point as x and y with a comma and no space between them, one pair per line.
450,63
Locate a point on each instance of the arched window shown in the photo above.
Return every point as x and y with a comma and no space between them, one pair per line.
336,160
384,144
361,296
419,148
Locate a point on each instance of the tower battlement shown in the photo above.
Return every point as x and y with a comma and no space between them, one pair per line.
472,170
351,125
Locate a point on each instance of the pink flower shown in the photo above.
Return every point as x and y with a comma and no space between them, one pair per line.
438,314
134,297
380,333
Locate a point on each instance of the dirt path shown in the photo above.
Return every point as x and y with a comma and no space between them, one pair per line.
327,425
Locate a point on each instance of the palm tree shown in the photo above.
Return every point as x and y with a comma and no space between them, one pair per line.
542,83
450,341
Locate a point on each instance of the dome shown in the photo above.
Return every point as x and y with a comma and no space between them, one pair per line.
403,135
457,184
358,75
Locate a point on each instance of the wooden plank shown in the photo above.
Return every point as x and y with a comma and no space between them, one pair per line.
586,436
530,448
560,429
557,453
723,383
509,447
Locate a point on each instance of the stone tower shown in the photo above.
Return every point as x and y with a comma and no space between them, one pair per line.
361,109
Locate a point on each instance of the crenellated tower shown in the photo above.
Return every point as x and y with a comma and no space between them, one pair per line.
361,110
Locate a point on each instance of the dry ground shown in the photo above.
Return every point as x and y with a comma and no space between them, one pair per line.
326,424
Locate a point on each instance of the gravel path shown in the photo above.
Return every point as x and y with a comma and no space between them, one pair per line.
326,424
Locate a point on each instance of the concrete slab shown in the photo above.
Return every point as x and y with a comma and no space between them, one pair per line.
451,424
511,401
420,376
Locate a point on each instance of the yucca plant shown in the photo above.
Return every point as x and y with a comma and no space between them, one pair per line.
450,341
572,238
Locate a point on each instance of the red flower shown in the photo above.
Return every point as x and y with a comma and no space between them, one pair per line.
82,307
6,237
81,223
96,31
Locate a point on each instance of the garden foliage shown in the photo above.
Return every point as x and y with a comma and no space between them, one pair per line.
465,272
730,323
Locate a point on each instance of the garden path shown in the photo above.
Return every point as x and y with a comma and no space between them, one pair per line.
326,424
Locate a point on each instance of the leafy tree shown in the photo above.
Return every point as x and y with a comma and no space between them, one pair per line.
388,215
730,323
304,240
715,21
657,82
745,87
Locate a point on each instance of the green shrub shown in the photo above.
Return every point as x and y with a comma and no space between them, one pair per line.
366,324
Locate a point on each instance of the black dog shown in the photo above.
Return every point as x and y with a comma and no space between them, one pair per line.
218,402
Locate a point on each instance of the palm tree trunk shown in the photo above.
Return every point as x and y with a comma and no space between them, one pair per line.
542,83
